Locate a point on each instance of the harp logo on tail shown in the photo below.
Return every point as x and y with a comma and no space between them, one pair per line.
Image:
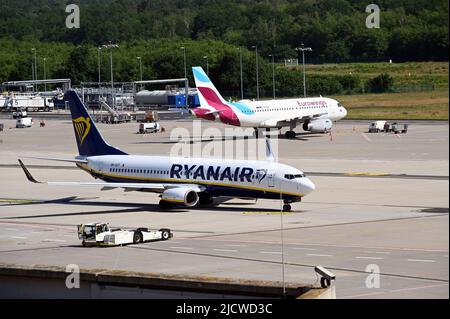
82,127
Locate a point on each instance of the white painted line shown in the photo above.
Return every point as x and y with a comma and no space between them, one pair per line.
422,260
55,240
422,287
227,250
235,245
302,248
390,291
329,245
19,237
319,255
270,252
177,247
366,137
11,229
363,295
368,257
376,252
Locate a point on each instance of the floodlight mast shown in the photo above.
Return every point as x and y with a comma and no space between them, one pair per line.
303,49
111,46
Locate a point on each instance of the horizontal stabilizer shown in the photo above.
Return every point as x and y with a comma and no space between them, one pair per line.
81,161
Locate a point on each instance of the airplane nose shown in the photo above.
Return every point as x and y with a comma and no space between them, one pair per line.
308,186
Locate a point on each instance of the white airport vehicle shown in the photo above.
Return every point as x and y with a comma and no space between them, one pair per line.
24,122
180,181
398,128
100,234
19,113
377,126
26,101
146,128
315,114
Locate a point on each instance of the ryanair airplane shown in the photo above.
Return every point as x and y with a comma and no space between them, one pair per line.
179,181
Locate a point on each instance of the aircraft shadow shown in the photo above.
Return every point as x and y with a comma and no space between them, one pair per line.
131,208
192,140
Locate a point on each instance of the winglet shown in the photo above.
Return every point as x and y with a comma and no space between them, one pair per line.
269,153
27,173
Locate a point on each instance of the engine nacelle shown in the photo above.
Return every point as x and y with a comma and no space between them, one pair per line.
318,126
181,196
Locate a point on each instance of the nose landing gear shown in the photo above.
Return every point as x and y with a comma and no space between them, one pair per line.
287,207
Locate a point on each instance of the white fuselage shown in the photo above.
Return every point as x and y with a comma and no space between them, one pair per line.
270,113
252,179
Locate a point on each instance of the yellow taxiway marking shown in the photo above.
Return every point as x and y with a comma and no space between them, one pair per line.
15,201
366,174
267,213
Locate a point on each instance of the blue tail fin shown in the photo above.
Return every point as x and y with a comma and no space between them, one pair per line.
89,140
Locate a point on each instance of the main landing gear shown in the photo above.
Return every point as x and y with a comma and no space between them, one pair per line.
287,207
290,135
164,205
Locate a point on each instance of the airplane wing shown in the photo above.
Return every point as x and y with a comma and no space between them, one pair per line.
287,121
145,187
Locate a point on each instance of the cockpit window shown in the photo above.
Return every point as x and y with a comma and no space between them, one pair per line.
294,176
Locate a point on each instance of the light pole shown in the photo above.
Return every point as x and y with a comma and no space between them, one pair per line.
242,80
32,72
303,49
140,67
45,74
35,68
257,71
111,47
99,70
185,76
273,73
207,66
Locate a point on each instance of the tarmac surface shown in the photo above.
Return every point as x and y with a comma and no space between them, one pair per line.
381,204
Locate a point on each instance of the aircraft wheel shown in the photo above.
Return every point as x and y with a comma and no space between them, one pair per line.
290,134
206,200
287,208
164,205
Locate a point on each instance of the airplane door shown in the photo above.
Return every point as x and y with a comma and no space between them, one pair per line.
270,180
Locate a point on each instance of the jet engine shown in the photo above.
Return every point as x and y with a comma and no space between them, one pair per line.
318,126
181,196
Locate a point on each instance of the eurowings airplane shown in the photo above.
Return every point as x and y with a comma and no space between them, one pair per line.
315,114
179,181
